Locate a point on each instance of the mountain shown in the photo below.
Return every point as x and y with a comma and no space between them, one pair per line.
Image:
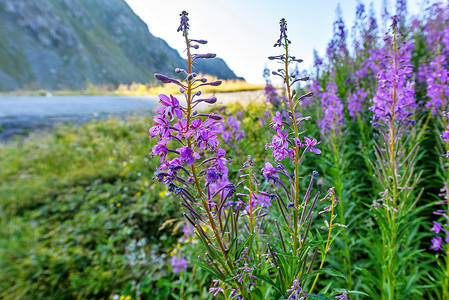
66,44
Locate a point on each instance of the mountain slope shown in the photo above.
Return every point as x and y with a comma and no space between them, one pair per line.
56,44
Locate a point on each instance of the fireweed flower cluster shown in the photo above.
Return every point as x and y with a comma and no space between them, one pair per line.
239,247
356,102
395,97
197,168
289,147
331,122
396,153
437,85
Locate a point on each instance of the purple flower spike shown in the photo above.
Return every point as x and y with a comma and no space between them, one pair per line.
356,101
184,22
332,120
171,107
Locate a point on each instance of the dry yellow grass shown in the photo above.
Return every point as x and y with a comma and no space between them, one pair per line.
231,85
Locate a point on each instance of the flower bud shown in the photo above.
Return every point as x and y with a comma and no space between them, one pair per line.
199,41
214,117
194,112
207,55
211,100
215,83
162,78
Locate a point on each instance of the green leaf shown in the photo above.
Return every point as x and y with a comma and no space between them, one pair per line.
318,296
259,294
267,279
332,272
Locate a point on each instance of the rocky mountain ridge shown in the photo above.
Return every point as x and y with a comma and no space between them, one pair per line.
67,44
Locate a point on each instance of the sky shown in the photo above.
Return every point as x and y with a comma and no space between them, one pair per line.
243,32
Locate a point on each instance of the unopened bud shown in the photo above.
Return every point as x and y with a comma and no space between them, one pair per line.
207,55
194,112
215,83
199,41
309,94
162,78
211,100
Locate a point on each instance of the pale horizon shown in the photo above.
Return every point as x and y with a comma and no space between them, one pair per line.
243,33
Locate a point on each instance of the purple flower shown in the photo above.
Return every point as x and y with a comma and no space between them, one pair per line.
343,296
269,171
179,264
197,127
212,175
188,156
436,227
310,144
171,106
296,291
356,101
280,140
230,129
277,121
239,114
181,126
160,149
436,243
160,127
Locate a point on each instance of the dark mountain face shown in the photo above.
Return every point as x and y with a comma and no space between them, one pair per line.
65,44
